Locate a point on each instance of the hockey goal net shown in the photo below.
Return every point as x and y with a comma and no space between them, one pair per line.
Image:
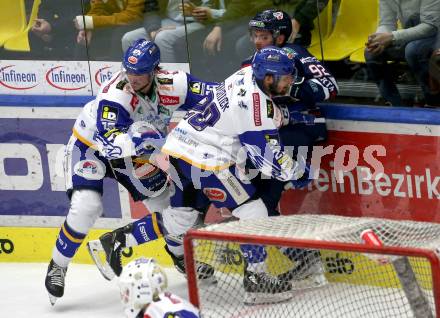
338,268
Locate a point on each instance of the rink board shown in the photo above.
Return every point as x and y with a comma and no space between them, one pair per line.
33,203
341,267
22,244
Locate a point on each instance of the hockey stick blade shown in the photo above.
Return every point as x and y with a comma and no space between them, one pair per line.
94,247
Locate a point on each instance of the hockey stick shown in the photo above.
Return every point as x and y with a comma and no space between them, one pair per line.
413,292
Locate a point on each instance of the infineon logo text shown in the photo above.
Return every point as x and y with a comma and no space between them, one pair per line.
103,74
11,77
62,79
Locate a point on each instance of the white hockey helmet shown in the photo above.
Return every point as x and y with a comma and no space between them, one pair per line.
141,281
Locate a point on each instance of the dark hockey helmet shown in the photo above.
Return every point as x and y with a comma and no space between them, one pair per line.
275,21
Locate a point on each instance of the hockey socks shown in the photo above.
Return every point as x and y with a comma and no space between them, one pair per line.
67,244
148,228
255,256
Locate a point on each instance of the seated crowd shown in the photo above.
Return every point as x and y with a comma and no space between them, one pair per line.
213,36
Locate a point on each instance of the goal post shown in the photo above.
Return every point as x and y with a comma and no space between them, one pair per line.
400,278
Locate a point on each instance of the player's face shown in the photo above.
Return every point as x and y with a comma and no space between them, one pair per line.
140,83
261,39
283,86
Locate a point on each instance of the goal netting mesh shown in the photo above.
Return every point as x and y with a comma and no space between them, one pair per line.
331,270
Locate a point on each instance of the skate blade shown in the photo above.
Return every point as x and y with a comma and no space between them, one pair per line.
95,248
208,281
265,298
313,281
52,299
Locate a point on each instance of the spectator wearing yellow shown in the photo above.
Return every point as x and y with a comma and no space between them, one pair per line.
110,19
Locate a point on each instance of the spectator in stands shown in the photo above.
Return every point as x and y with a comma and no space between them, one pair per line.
434,73
231,35
109,20
170,32
53,33
413,43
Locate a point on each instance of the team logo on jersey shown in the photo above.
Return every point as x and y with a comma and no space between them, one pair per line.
109,113
169,100
89,169
278,15
242,104
132,59
241,92
257,113
165,80
215,194
270,110
289,52
239,82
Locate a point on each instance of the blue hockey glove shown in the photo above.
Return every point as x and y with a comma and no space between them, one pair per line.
302,181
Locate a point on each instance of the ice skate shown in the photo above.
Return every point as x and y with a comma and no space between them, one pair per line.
262,288
308,273
112,244
204,272
54,282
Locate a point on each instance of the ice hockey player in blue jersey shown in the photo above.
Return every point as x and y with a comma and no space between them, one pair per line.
303,124
113,137
142,287
210,146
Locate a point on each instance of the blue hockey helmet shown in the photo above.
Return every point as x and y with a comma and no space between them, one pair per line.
273,60
142,57
275,21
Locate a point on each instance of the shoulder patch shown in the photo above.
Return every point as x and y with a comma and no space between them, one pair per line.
90,169
121,84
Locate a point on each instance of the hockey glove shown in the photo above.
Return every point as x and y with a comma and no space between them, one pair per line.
296,117
146,138
302,181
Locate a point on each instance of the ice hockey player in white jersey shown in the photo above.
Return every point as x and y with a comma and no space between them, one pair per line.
113,137
142,286
217,135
